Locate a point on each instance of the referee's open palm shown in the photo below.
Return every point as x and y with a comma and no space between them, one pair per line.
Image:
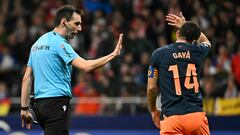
118,47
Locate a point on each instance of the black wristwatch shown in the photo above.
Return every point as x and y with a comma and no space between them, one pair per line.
24,108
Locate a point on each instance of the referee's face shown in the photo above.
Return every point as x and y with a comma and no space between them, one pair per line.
73,26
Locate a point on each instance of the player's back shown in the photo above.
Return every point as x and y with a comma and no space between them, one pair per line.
178,67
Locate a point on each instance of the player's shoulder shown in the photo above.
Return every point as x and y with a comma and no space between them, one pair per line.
194,46
162,49
159,53
201,47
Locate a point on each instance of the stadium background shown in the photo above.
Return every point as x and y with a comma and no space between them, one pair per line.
112,100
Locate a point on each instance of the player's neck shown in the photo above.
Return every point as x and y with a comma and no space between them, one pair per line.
181,41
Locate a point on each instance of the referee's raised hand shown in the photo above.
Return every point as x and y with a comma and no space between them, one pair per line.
118,47
26,119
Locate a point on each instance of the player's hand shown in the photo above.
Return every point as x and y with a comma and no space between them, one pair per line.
176,21
156,118
118,47
26,119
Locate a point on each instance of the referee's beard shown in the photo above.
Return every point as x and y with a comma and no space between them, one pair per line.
70,32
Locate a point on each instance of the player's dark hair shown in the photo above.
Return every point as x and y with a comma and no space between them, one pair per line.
66,12
190,31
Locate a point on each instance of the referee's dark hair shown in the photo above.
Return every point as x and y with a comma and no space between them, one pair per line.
190,31
66,12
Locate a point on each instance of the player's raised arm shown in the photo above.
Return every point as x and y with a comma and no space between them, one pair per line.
89,65
204,39
178,21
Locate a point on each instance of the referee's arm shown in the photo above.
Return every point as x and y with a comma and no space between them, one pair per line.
26,87
89,65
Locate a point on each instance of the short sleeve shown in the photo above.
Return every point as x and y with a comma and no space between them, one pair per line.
29,64
204,48
66,52
153,68
155,59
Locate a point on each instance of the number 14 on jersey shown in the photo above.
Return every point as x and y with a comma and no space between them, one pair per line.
191,72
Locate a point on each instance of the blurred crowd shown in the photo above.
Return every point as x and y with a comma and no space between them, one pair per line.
145,29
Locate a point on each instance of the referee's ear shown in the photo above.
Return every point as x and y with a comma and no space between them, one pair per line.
63,22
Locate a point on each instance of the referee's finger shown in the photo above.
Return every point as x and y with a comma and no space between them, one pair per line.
22,123
120,39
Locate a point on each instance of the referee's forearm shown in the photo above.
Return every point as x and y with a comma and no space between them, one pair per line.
26,88
89,65
94,64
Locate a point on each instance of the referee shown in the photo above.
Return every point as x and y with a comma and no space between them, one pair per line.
50,64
